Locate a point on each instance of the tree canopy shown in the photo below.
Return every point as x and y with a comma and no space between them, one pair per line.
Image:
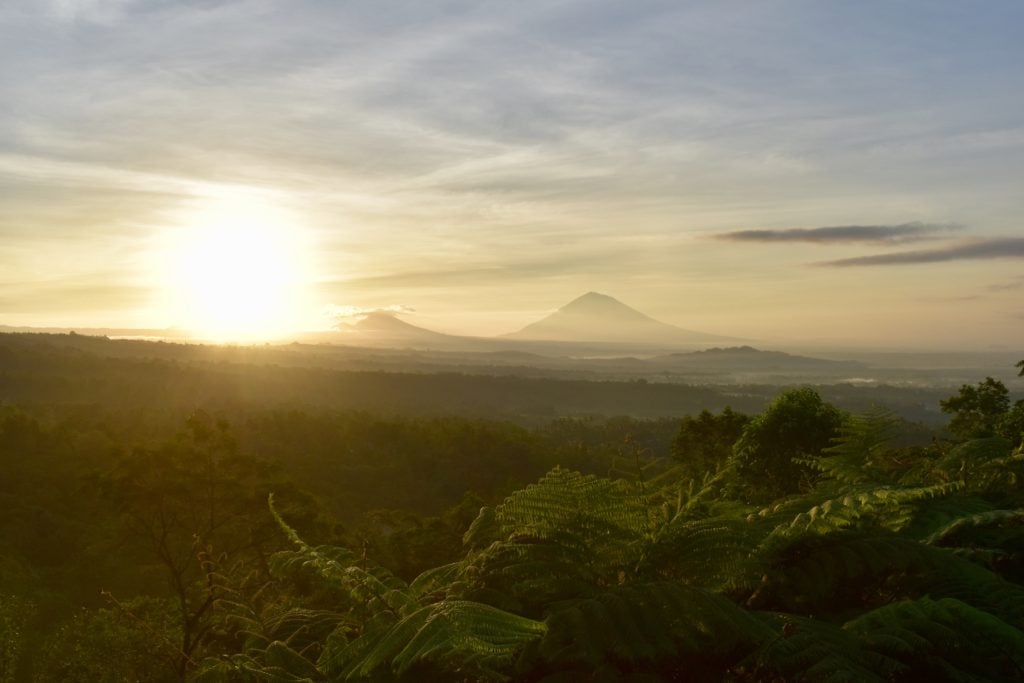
771,453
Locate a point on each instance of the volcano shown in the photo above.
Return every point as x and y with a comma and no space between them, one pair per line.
596,317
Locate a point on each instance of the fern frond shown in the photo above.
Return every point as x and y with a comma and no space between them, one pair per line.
943,639
805,649
565,499
1001,475
930,517
818,574
883,506
243,668
484,530
371,587
436,582
857,458
281,657
556,539
646,627
972,461
832,574
710,553
526,573
463,639
971,524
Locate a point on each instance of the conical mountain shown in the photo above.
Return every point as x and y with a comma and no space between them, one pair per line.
596,317
386,327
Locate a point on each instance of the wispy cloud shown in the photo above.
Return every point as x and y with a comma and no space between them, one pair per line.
602,258
1004,248
1007,286
342,313
64,296
885,234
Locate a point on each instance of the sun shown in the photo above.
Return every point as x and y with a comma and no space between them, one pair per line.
236,270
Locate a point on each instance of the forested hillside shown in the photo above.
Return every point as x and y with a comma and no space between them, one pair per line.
263,541
122,375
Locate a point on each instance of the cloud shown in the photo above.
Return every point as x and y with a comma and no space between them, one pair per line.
1008,286
67,296
1002,248
344,313
885,234
601,258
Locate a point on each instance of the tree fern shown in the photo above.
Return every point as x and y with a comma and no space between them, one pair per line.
650,627
459,638
943,640
845,571
883,507
525,574
564,499
711,553
398,635
275,664
969,459
371,588
805,649
556,539
858,456
965,529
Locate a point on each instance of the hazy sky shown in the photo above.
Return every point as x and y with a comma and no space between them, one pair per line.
849,172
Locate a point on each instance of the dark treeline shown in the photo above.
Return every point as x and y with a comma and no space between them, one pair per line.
42,370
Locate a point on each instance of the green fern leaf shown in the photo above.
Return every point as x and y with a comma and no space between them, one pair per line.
464,639
944,639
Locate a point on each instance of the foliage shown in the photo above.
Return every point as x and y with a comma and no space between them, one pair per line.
136,640
179,501
15,613
877,572
1011,424
705,442
977,410
770,455
839,557
943,639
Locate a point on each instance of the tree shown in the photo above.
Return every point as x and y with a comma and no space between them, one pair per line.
704,442
193,494
798,425
136,640
1011,424
978,411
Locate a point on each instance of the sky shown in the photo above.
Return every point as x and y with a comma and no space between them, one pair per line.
844,173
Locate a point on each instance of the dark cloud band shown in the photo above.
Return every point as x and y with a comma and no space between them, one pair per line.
1005,248
904,232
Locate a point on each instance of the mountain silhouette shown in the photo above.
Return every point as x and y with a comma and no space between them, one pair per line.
596,317
387,327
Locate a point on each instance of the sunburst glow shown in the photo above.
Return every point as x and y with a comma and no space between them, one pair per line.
237,271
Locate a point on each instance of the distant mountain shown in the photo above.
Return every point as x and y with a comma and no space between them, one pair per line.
387,325
386,329
597,317
746,358
166,333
